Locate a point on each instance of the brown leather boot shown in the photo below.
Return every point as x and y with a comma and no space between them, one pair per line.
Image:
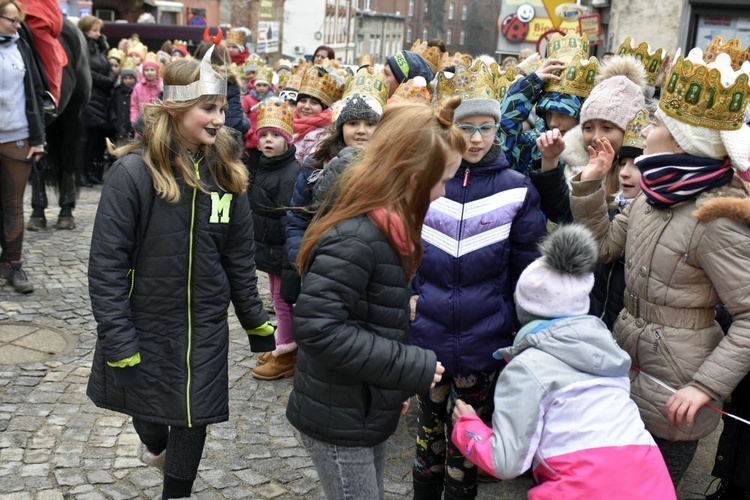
277,367
263,358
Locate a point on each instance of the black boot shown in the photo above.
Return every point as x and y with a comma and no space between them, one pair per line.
16,276
428,487
728,491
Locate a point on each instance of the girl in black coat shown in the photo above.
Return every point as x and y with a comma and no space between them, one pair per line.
354,370
172,245
96,114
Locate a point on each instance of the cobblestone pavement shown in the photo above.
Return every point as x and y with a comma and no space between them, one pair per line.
55,444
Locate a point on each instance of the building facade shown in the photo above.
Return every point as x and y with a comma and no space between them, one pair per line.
378,34
310,23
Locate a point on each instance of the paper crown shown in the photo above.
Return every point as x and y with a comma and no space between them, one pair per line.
276,113
732,48
709,95
468,82
414,90
135,47
634,130
652,61
264,73
365,83
568,46
283,65
128,64
115,53
530,64
236,37
430,54
454,59
209,83
502,79
366,60
180,46
578,78
152,59
318,83
251,63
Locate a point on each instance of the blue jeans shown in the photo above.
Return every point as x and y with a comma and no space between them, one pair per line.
348,473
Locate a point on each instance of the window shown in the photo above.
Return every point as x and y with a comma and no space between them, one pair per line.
461,37
424,34
408,34
451,10
411,7
449,36
425,6
464,12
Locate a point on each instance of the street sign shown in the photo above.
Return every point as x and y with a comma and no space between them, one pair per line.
591,25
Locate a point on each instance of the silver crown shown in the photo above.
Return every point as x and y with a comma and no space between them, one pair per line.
208,84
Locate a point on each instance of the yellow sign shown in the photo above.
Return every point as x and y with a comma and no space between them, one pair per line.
538,26
551,6
266,9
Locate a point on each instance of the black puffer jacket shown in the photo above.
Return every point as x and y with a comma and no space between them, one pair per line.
102,83
271,187
354,369
194,256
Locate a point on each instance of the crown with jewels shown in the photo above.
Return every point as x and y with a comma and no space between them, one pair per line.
414,90
236,36
577,79
568,46
456,59
209,83
252,63
276,113
502,79
732,48
366,60
365,83
264,73
634,130
430,54
710,95
468,82
652,61
180,46
320,84
115,53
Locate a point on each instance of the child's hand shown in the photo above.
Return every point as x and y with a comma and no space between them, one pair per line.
439,369
685,403
546,71
600,160
551,145
405,407
462,408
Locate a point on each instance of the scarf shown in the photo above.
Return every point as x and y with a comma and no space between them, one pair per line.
668,179
303,125
394,229
260,98
620,202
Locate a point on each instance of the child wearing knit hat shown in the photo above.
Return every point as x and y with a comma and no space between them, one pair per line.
565,377
405,65
148,89
273,171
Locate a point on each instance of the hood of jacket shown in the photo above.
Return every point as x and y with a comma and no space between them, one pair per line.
731,201
575,155
582,342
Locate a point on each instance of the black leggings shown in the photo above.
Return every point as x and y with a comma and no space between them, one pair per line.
184,447
14,175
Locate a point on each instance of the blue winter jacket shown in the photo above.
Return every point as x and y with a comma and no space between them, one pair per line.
477,239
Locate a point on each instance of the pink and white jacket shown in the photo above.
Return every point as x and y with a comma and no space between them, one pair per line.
563,407
144,92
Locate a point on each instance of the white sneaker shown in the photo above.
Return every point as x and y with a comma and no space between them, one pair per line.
149,458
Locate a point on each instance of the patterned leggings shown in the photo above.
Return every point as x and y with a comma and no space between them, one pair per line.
435,452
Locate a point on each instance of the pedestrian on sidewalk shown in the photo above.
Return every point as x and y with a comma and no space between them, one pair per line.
355,371
172,245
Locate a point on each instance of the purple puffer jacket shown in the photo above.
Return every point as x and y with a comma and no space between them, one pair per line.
477,240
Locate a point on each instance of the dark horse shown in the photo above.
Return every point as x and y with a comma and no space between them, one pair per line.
62,165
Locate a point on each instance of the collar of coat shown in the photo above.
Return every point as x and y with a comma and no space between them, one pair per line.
731,201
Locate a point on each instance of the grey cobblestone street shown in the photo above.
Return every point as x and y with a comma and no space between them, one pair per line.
55,444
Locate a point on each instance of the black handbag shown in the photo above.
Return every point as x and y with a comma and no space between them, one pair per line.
49,107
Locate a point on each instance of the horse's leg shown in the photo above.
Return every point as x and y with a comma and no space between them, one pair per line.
37,220
69,169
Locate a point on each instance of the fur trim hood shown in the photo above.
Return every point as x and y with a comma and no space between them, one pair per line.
731,201
575,155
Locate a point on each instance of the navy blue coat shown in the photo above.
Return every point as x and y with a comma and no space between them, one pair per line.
477,240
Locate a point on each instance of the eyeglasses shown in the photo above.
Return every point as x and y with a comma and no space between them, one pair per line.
12,20
485,130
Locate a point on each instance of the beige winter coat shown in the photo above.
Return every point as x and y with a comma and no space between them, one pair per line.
680,263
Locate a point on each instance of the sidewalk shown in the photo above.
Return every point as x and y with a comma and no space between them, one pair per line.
55,444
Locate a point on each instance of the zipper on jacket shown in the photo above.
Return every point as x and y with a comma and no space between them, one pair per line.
457,273
466,178
669,357
131,275
196,164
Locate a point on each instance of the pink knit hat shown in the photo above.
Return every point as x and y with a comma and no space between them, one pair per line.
619,94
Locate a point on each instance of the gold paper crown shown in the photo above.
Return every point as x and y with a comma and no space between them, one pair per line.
136,47
115,53
366,60
530,64
264,73
152,57
430,54
275,113
129,64
318,83
634,130
653,62
180,45
414,90
568,46
368,84
469,82
283,64
252,63
732,48
236,37
294,82
455,59
695,94
577,79
502,79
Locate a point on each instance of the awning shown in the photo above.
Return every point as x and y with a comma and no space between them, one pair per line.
165,5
